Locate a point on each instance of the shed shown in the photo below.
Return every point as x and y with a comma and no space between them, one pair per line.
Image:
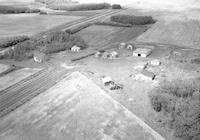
142,52
39,57
122,45
75,49
155,62
97,54
113,55
106,55
107,80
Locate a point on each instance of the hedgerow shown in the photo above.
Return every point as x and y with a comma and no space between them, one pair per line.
80,7
178,103
133,20
10,41
5,9
116,6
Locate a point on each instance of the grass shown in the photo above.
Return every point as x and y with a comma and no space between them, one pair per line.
178,105
80,7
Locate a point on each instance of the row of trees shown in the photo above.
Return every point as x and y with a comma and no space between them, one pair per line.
133,20
4,9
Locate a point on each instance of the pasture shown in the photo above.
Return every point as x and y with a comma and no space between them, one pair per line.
30,24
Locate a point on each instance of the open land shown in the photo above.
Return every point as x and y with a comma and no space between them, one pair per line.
31,24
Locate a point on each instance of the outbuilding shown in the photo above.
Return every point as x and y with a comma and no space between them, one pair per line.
155,62
107,81
142,52
75,49
122,45
144,75
113,55
39,57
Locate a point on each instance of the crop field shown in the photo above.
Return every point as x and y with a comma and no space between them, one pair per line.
30,24
15,76
102,36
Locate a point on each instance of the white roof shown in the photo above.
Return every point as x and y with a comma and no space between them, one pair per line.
106,79
142,51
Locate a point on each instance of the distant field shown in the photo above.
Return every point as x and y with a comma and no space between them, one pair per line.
30,24
101,36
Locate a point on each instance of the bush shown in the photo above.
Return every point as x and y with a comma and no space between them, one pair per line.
179,103
56,47
43,13
53,42
80,7
33,11
133,20
7,42
195,61
116,6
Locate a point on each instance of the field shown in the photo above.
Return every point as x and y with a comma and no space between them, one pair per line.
15,77
75,108
30,24
98,36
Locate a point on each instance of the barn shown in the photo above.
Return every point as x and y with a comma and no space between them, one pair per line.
142,52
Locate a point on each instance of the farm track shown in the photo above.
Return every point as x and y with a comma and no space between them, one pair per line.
27,89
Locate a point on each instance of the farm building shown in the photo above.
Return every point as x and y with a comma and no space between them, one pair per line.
122,45
106,55
155,62
106,81
113,55
39,57
144,75
142,52
97,54
75,49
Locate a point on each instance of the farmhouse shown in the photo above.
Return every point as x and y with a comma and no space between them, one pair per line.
75,49
142,52
39,57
